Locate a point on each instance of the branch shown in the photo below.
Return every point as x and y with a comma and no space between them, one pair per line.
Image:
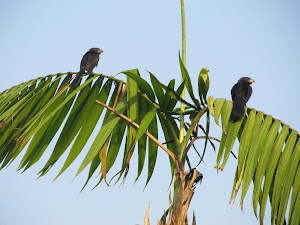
195,139
201,137
171,154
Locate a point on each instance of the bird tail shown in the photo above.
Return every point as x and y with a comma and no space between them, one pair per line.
77,78
238,108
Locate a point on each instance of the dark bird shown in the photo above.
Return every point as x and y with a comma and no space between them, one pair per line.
240,94
88,63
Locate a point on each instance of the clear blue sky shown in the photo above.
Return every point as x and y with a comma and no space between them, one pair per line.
259,39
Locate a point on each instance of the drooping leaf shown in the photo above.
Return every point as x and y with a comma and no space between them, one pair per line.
144,125
267,156
12,129
90,117
218,104
288,183
168,97
273,162
295,199
206,136
245,142
72,126
232,130
281,173
210,104
182,147
94,165
157,89
103,134
115,143
132,112
263,162
176,94
172,103
258,140
46,132
142,142
225,115
171,132
152,154
34,125
189,86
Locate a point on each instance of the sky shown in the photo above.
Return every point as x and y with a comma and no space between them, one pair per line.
258,39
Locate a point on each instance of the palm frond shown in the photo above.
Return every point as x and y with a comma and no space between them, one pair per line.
34,112
268,155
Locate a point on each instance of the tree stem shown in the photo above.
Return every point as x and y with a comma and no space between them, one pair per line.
183,56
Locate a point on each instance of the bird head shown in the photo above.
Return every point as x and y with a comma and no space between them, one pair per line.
246,79
96,50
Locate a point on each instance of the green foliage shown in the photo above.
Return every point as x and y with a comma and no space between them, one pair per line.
268,156
33,112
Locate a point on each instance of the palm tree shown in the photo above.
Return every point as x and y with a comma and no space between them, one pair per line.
269,150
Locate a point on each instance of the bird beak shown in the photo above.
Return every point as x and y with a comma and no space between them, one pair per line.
251,81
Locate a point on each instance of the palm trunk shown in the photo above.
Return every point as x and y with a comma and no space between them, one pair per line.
184,194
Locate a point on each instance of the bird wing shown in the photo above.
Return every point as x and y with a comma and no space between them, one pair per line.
249,93
92,62
84,60
233,91
238,107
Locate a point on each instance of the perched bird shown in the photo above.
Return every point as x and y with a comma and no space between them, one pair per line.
88,63
240,94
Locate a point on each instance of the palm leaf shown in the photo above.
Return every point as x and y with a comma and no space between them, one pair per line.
268,155
34,112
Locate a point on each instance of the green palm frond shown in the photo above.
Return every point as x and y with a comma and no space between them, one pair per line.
269,155
33,112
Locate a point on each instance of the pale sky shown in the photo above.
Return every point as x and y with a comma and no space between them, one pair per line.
259,39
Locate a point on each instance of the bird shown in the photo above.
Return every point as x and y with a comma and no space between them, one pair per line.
240,94
88,62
